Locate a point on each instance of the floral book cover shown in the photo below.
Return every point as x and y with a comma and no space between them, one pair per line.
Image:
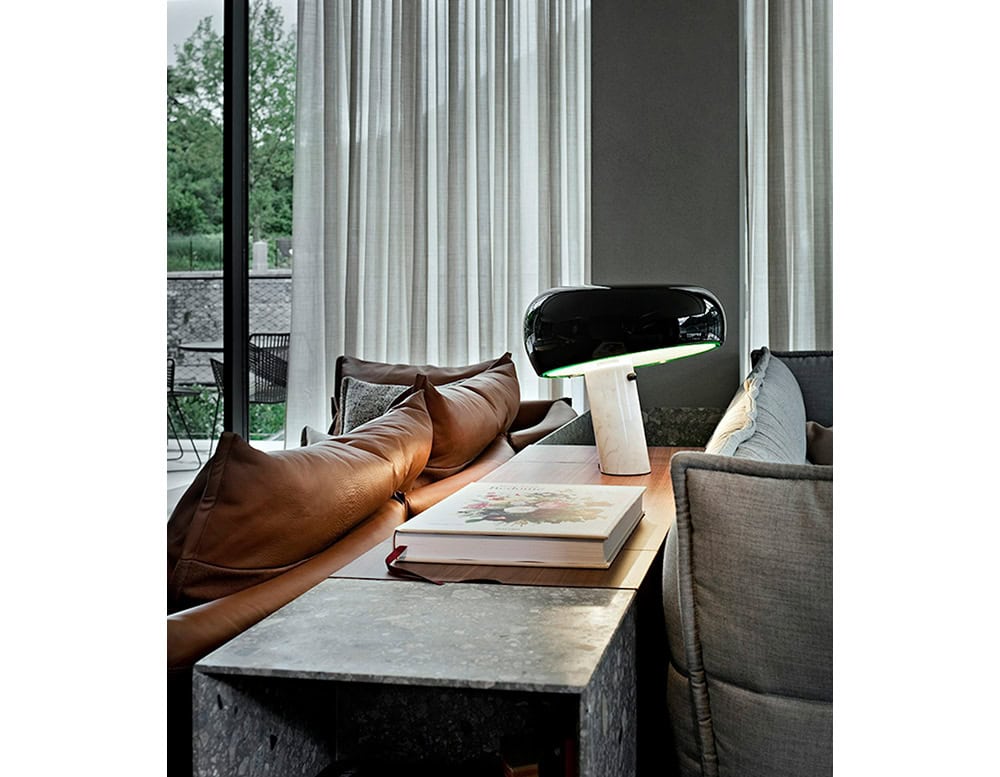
532,509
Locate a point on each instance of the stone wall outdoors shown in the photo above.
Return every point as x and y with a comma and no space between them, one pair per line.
194,314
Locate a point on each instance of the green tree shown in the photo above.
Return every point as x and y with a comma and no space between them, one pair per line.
194,127
272,121
194,134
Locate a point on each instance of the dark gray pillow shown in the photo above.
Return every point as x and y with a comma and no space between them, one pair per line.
361,401
819,443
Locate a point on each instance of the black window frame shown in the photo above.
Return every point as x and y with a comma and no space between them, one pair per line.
235,228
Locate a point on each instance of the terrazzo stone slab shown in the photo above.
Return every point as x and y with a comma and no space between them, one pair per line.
680,426
433,723
464,636
579,431
664,426
362,668
409,724
254,726
608,710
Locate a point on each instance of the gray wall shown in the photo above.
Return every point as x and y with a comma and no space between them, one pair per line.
667,127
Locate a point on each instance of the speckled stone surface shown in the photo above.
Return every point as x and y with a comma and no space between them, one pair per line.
255,726
680,426
361,668
665,426
465,636
409,724
608,718
602,719
579,431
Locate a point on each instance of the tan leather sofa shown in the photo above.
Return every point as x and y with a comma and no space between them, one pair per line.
199,620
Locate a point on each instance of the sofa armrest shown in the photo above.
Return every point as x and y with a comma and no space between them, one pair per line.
748,607
537,418
749,562
197,631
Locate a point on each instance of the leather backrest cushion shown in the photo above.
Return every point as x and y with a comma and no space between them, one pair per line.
469,414
560,413
251,515
394,374
405,439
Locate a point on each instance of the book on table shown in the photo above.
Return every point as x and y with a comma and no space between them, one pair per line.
524,524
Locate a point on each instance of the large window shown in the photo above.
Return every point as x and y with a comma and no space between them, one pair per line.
195,215
439,160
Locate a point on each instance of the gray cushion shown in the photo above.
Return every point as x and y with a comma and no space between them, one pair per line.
736,425
683,726
748,604
814,372
766,736
361,401
766,419
762,550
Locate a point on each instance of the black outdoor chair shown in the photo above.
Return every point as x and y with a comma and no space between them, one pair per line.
268,359
173,394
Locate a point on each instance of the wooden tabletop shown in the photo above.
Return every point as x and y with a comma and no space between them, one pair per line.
557,464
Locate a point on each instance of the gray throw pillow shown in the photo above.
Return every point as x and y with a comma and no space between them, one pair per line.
361,401
735,426
779,414
766,419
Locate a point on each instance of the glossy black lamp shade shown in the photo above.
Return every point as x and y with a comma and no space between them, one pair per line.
566,329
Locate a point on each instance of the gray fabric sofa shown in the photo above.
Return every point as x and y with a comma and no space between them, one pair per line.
747,580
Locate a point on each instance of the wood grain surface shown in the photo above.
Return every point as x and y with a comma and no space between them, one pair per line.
556,464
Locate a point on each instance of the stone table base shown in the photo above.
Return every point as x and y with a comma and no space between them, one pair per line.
401,672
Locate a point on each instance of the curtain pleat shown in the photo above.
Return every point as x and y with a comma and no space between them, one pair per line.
789,288
441,182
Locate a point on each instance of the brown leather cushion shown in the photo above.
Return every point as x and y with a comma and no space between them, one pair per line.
251,515
427,491
559,413
395,374
194,632
468,415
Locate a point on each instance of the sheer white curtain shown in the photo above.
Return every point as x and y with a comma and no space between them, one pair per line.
789,262
441,181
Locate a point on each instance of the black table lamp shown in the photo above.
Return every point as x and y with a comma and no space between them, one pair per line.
604,333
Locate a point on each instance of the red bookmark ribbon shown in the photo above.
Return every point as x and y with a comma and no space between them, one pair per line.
405,573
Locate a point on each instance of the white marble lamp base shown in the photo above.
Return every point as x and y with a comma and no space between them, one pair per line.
617,417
